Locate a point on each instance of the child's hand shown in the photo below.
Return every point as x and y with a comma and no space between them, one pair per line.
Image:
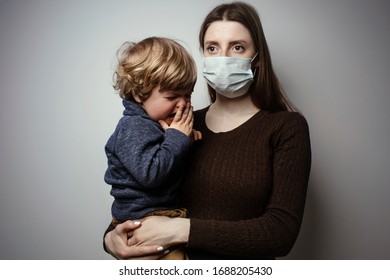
183,120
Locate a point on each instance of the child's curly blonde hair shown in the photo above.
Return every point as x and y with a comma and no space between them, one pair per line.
152,62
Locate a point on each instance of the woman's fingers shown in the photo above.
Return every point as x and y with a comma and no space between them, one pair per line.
145,252
196,135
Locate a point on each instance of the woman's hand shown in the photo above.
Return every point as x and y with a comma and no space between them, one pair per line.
196,135
117,239
161,230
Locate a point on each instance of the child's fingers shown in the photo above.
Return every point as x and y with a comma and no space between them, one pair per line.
186,112
190,118
164,125
179,114
183,114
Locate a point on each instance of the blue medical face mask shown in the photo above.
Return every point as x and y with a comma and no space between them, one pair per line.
229,76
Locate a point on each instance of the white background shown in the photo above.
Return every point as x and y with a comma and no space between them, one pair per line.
58,108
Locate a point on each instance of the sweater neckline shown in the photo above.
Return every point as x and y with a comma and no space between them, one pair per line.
252,120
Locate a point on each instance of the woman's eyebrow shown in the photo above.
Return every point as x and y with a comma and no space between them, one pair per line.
211,43
235,42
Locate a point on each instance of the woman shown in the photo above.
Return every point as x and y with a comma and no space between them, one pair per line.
246,184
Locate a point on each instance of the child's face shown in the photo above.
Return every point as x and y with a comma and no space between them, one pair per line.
164,105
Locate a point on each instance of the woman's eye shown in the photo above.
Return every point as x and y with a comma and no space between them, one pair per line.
211,49
239,48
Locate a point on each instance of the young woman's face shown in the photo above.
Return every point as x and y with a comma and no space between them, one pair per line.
163,105
228,38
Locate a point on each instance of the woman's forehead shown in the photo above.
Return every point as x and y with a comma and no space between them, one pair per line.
231,30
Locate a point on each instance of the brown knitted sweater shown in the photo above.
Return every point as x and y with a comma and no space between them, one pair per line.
245,189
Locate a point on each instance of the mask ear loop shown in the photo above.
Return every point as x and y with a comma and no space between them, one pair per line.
254,57
254,72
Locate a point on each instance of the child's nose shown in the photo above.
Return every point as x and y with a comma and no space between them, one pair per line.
182,101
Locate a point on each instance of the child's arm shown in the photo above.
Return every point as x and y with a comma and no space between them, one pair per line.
142,149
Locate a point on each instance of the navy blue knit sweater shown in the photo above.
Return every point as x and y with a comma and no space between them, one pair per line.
144,164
